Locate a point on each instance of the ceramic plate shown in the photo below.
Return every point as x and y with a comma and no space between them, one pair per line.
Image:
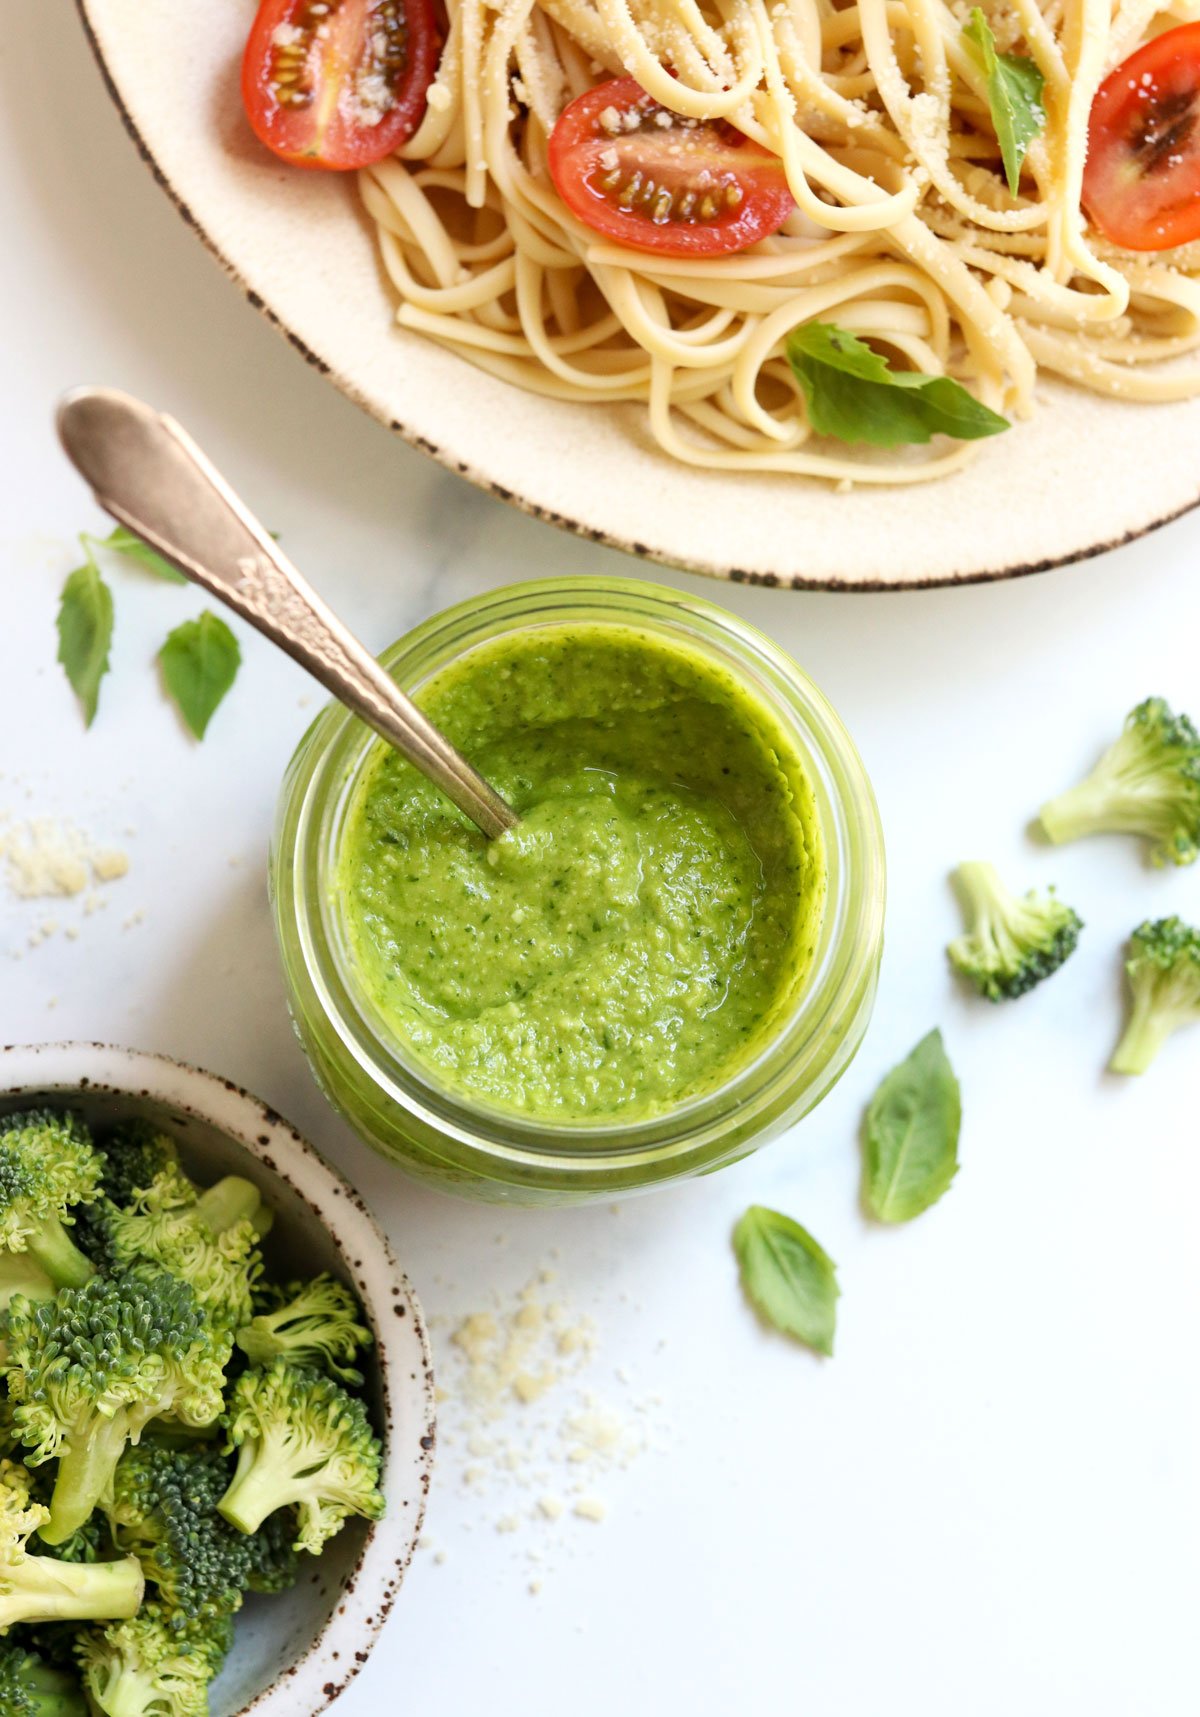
1085,474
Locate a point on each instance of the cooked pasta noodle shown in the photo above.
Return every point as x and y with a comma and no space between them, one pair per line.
904,231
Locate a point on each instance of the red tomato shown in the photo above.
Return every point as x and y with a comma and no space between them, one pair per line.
338,83
654,181
1141,185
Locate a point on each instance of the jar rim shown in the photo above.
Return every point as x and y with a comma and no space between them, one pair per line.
829,997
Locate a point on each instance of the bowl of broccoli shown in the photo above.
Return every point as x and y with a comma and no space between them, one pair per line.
216,1402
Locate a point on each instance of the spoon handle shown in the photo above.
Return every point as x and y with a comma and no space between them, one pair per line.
149,475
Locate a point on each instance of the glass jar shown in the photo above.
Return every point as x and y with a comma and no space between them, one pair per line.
447,1140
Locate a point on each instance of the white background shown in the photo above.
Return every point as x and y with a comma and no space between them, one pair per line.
988,1502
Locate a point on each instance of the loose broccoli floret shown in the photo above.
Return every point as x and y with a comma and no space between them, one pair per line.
31,1688
309,1323
274,1564
90,1369
1147,783
43,1589
47,1164
1164,980
1012,941
300,1439
208,1242
164,1511
147,1668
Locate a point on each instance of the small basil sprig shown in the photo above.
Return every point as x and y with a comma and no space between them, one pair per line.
911,1134
1014,91
85,628
789,1279
199,661
853,395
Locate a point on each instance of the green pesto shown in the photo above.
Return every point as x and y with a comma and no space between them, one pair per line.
647,927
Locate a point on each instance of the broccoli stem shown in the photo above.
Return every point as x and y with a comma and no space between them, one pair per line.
58,1255
256,1491
1148,1028
1087,809
127,1692
84,1474
232,1200
46,1590
979,884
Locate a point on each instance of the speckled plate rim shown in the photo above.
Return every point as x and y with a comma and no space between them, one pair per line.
1184,496
315,1679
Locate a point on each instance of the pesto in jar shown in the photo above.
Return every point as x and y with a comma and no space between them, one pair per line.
646,929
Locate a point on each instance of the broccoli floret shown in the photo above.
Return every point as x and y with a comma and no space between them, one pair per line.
134,1155
208,1242
301,1439
31,1688
1147,783
274,1563
43,1589
148,1668
47,1164
1012,941
164,1511
309,1323
90,1370
1164,979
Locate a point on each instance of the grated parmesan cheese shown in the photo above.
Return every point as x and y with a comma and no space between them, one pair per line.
46,859
524,1426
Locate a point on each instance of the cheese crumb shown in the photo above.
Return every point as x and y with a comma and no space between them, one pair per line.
590,1508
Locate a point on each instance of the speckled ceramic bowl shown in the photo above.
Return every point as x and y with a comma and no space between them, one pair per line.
1083,474
292,1655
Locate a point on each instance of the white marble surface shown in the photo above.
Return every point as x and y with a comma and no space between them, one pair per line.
989,1501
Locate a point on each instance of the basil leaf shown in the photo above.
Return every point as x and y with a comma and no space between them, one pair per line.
787,1276
200,660
123,541
853,395
85,627
911,1134
1014,91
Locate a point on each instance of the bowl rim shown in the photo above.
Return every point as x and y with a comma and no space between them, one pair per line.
324,1669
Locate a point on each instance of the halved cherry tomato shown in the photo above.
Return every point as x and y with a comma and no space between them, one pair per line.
1141,185
654,181
338,83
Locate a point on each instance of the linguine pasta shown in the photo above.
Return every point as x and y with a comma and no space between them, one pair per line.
904,232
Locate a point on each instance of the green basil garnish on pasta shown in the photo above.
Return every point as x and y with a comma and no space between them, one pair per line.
1014,92
853,394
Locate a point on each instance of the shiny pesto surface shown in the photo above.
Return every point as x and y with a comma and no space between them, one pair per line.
647,927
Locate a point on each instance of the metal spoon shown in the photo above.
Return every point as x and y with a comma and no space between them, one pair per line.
150,475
